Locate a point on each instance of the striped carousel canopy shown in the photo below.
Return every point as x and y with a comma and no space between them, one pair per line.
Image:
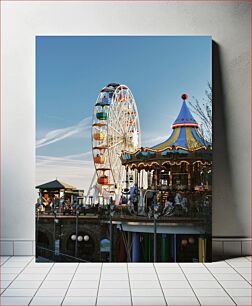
185,133
185,138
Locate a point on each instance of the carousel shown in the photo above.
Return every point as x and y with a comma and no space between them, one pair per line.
172,186
181,165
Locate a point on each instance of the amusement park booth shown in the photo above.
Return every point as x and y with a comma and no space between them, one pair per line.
179,175
57,194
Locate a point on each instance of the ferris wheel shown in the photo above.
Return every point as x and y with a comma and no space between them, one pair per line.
115,128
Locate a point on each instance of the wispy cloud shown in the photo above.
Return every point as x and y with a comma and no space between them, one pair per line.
76,169
85,156
60,134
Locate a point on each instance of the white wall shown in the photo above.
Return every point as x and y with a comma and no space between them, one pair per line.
229,25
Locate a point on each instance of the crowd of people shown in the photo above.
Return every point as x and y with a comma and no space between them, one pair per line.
138,202
48,204
185,203
170,203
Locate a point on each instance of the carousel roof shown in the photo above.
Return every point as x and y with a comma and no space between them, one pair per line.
185,138
185,117
185,134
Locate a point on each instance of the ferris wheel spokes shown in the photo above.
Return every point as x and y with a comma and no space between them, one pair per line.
115,128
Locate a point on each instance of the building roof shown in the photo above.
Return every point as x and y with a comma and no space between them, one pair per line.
54,185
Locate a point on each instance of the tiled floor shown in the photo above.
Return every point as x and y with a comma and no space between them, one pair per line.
24,282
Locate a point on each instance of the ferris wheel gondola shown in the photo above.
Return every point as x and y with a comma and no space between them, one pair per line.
115,128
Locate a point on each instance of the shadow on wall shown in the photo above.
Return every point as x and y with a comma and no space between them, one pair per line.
225,215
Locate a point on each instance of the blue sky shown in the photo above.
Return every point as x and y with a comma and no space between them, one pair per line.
70,71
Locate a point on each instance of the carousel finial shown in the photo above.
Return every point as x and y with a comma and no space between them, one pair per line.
184,96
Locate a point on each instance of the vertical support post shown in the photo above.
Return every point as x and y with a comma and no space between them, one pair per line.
54,228
202,249
135,247
164,248
129,245
175,247
76,234
146,247
155,241
122,249
54,235
110,234
127,177
36,229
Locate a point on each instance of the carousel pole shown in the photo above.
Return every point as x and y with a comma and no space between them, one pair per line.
170,178
139,178
155,179
149,179
189,176
136,178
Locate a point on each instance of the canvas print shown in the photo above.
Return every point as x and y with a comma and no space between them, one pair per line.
123,148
